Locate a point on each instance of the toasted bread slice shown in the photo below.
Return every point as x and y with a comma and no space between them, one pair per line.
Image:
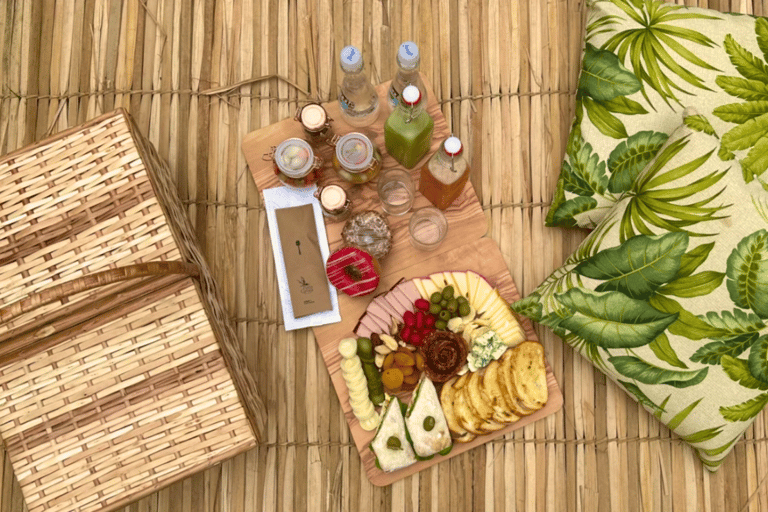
493,383
513,400
465,415
478,400
446,402
529,375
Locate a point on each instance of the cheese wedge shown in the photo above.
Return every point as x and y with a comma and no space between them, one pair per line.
390,444
429,287
460,278
420,288
426,422
482,294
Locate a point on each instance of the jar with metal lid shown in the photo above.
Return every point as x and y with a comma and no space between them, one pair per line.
334,202
295,163
316,123
356,159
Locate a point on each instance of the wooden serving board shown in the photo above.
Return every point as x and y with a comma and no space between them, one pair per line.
484,257
466,220
463,249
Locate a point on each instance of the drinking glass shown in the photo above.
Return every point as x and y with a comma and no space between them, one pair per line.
427,228
396,191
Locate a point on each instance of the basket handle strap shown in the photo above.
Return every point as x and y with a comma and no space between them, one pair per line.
96,280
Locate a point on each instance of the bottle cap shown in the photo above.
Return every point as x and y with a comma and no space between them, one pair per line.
408,55
411,95
351,59
453,146
313,116
333,197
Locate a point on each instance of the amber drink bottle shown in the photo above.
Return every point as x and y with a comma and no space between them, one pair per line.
444,175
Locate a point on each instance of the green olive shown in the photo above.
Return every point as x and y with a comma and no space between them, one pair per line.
448,292
462,300
444,315
393,443
453,305
435,298
444,303
435,309
464,309
429,423
441,325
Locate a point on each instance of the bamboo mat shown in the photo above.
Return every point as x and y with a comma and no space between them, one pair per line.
199,75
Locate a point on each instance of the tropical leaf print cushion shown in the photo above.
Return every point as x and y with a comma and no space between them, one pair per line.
644,61
669,294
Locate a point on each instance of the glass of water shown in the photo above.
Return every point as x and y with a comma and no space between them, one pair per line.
428,228
396,191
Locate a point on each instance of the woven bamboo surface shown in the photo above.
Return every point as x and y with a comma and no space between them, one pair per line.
197,76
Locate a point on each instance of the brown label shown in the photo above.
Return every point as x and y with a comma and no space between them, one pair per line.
304,265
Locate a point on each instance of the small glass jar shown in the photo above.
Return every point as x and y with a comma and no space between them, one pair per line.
295,163
316,123
334,202
356,159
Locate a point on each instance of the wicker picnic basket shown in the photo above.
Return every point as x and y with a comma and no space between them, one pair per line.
119,370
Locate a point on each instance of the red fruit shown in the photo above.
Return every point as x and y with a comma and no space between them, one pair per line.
419,319
405,333
429,321
415,339
409,318
422,304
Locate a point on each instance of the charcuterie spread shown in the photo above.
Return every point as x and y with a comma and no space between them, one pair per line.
446,361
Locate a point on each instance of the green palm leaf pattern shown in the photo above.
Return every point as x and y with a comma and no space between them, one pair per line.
649,205
631,156
750,115
712,353
611,319
746,410
747,273
641,371
639,266
649,48
738,370
758,359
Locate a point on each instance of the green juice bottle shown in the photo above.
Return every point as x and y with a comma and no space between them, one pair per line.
408,130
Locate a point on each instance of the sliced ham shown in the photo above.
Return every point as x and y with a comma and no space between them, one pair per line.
361,330
410,291
379,325
380,315
369,321
384,303
395,304
402,299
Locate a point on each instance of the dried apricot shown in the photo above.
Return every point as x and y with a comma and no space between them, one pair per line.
389,360
407,370
403,359
419,361
392,378
411,379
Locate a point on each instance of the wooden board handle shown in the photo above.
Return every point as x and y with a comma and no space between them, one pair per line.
97,280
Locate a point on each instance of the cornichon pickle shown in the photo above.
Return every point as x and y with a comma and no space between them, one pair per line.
364,347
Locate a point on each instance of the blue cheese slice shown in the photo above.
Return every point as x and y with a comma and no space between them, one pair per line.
429,436
390,445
